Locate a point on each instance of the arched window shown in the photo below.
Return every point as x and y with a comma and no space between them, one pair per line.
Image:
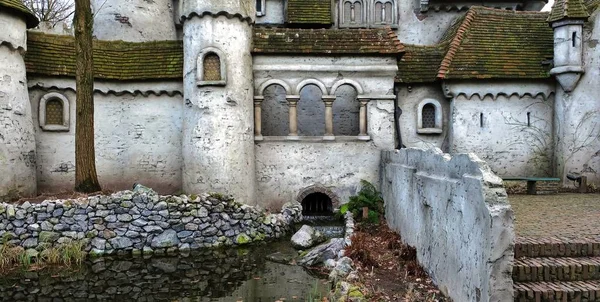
429,117
384,12
311,111
275,111
211,68
346,110
53,112
352,13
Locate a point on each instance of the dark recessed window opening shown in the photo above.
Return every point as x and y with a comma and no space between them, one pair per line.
259,5
574,38
528,119
317,204
428,116
481,120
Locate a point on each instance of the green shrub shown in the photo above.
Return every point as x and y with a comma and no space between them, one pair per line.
369,197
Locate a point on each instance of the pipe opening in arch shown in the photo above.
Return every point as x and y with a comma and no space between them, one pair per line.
317,204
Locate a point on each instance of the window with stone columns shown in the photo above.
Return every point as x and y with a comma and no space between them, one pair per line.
310,111
367,13
54,112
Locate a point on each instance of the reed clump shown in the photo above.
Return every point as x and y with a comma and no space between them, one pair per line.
67,254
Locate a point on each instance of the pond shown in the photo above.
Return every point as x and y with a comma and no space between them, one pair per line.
205,275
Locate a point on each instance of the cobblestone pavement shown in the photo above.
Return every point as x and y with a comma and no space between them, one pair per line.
565,215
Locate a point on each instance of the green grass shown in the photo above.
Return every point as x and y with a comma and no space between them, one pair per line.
66,254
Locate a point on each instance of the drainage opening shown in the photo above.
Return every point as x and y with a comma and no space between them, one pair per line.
317,204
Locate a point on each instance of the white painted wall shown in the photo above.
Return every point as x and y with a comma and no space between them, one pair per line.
218,121
578,114
455,212
274,12
409,98
506,141
138,139
419,28
17,141
134,20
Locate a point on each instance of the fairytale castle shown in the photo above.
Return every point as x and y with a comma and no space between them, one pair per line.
272,100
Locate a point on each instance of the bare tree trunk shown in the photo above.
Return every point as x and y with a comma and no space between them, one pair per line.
86,179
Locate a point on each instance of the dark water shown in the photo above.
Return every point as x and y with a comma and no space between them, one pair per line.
211,275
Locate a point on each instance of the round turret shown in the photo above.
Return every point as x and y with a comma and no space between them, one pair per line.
134,20
17,135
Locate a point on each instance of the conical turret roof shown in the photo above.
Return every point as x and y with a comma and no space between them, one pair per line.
17,7
568,9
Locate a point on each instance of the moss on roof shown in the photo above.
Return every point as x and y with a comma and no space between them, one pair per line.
113,60
326,41
499,44
568,9
592,5
309,12
420,64
17,6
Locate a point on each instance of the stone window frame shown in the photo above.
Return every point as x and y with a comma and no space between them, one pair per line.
263,6
364,14
54,96
394,21
438,129
200,67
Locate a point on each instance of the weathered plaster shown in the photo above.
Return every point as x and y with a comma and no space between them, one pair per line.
456,214
134,20
218,125
274,13
409,98
422,28
498,131
577,115
138,139
241,9
17,141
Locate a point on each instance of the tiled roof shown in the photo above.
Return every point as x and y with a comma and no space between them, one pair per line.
571,9
592,5
19,7
420,64
113,60
309,12
499,44
326,41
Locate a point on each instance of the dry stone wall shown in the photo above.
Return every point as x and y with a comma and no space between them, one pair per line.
455,212
141,221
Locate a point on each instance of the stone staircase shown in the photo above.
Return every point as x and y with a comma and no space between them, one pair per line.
557,269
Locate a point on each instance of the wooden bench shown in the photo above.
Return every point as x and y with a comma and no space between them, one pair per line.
531,182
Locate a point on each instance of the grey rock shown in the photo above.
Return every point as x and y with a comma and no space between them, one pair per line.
110,218
47,226
160,206
307,237
121,242
323,252
58,212
184,234
61,227
20,214
132,234
166,239
125,217
30,243
153,229
211,231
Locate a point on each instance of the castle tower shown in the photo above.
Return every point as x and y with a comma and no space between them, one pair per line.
134,20
17,137
567,18
218,140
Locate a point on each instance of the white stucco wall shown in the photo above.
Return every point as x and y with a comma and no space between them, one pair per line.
510,145
409,98
134,20
284,168
419,28
17,140
578,114
218,125
274,13
455,212
138,139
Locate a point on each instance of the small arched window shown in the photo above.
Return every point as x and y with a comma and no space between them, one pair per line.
211,68
429,117
384,12
53,112
352,13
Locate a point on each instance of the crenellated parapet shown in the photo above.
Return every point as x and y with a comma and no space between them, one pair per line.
242,9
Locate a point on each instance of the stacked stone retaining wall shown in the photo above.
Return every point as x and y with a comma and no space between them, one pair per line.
141,221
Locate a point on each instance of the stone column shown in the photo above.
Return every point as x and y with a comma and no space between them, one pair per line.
293,111
258,118
363,135
328,100
18,177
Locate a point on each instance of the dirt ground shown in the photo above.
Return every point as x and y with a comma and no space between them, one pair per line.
565,215
388,270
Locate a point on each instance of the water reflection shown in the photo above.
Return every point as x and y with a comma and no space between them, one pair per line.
221,275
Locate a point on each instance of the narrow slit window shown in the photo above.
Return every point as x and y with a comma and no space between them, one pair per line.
528,119
259,6
54,112
428,116
212,67
481,120
574,39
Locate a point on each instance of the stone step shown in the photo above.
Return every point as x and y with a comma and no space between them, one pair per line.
581,291
534,247
556,269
